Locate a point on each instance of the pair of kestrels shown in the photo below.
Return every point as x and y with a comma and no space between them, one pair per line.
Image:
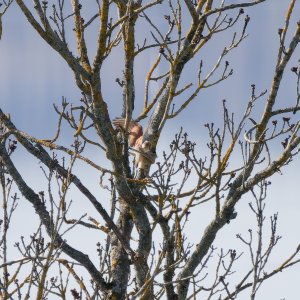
144,156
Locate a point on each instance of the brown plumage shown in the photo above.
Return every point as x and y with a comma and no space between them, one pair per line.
135,131
144,157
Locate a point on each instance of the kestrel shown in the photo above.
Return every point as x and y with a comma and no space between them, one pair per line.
144,156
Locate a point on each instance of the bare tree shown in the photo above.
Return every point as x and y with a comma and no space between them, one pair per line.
149,193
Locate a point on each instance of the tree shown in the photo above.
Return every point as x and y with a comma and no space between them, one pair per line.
150,193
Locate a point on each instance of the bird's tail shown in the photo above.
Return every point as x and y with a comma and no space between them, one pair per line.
119,122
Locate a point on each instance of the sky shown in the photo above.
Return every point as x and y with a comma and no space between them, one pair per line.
33,77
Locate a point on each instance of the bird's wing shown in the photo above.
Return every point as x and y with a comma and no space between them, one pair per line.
140,154
119,122
138,143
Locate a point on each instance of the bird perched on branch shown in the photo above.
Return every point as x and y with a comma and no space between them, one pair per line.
144,156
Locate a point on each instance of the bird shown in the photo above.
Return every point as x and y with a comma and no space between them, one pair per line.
144,156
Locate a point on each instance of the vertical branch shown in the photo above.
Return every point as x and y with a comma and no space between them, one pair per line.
148,78
281,64
128,32
258,257
120,262
282,32
45,269
4,224
102,36
79,30
6,185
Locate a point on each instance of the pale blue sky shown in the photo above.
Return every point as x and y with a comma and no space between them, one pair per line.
33,77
